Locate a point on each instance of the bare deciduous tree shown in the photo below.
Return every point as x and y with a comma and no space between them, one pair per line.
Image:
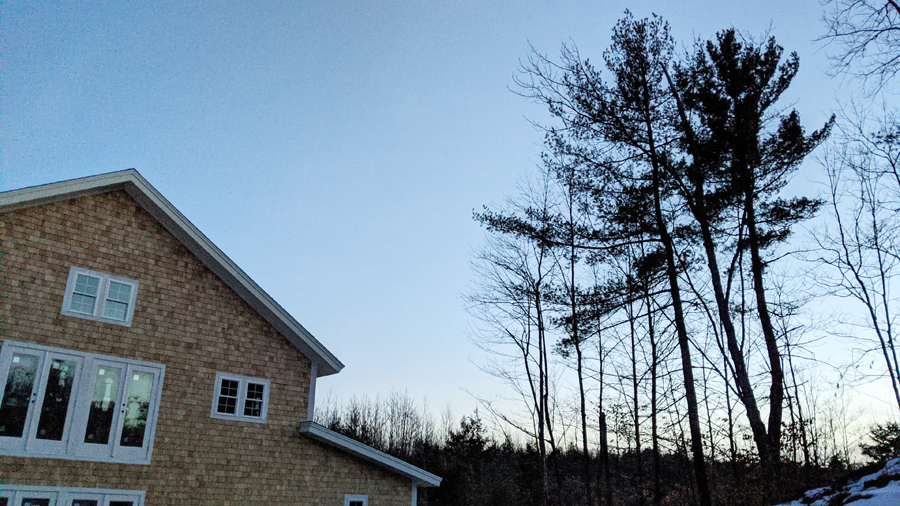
867,34
861,246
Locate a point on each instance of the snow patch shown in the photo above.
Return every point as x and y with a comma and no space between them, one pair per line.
877,489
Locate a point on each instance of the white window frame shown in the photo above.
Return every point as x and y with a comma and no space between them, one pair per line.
356,497
243,382
63,496
104,281
72,446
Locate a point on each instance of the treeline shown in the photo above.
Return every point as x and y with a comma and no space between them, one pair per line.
480,467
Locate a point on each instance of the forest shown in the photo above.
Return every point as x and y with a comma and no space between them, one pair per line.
650,292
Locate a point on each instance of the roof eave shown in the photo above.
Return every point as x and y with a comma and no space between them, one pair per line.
178,225
419,476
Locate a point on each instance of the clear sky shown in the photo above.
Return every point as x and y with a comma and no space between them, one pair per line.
334,150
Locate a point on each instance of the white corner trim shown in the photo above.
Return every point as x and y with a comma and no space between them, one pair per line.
415,494
420,476
178,225
311,406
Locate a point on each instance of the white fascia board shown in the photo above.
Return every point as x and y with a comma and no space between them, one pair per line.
419,476
178,225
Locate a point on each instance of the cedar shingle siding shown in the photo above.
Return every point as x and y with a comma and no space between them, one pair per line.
189,320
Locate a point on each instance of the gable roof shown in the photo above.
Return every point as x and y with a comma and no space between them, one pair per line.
419,476
172,220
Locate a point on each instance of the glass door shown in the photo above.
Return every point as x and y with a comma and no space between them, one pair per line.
19,379
31,498
54,404
95,424
135,428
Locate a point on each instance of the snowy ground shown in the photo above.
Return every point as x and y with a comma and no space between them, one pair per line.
877,489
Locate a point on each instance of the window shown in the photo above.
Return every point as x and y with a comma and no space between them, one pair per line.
356,500
65,404
240,398
100,297
24,495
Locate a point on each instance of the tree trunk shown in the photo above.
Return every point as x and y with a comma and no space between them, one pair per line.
697,205
776,390
683,344
639,471
654,424
680,326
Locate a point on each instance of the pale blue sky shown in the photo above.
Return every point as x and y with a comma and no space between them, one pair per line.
334,150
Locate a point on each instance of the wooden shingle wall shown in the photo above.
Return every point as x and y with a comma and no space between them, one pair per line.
189,320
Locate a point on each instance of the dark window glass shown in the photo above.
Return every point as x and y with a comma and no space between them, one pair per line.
226,405
29,501
121,503
84,502
56,400
4,501
229,388
228,394
356,503
103,405
254,402
137,407
17,394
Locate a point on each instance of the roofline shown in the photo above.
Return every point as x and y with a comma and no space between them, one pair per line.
178,225
419,476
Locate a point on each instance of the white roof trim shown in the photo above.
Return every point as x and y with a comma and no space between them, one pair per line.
154,203
420,477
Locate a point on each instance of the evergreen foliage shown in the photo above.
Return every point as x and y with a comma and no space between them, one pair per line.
885,442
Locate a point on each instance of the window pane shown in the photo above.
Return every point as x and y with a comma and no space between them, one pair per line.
103,405
17,394
56,400
254,402
121,503
230,388
82,304
255,391
4,501
120,292
86,285
227,405
228,394
115,310
30,501
84,294
137,406
84,502
253,408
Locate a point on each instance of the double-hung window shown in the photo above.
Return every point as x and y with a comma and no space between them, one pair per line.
356,500
240,398
71,405
100,297
25,495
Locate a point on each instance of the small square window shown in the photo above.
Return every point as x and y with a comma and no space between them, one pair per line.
240,398
100,297
356,500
